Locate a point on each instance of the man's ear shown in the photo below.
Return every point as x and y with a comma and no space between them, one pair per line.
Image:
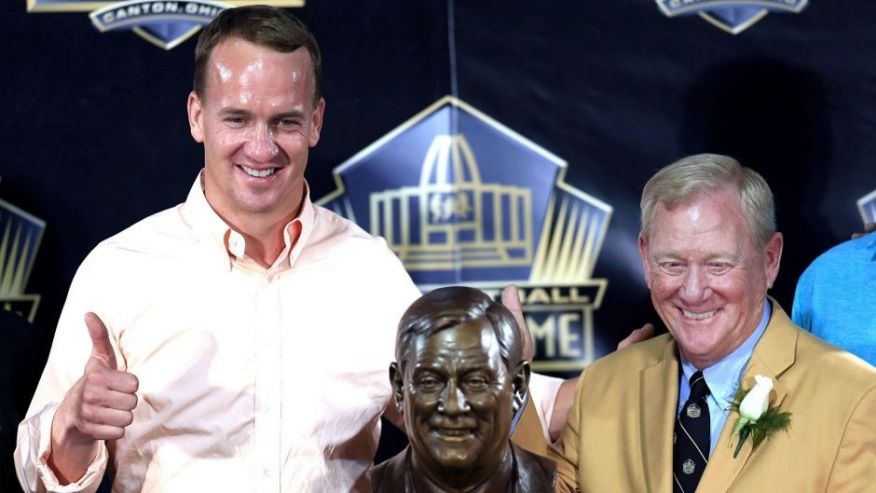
773,257
316,122
643,254
520,384
195,109
397,381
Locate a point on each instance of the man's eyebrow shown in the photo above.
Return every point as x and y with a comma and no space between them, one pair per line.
433,368
294,114
475,364
233,111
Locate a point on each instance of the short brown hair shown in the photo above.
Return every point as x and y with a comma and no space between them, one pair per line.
264,26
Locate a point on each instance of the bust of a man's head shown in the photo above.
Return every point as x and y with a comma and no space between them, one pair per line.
458,380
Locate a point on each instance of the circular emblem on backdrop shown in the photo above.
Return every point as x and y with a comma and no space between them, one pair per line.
694,411
688,467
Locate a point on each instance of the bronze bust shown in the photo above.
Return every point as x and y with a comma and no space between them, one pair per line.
458,380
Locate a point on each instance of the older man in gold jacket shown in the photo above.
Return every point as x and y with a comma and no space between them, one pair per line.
659,416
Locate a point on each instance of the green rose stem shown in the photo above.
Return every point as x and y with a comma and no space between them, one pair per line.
743,432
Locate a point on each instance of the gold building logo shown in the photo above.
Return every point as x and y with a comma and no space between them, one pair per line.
164,23
20,236
462,199
462,221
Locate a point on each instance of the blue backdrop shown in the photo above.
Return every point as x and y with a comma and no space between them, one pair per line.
94,131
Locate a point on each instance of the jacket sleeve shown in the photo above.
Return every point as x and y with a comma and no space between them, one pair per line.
854,468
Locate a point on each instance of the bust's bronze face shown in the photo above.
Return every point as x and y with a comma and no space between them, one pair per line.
457,377
458,398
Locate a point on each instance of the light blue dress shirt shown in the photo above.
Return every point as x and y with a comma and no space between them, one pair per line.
723,379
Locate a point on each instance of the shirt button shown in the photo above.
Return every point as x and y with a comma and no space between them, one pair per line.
267,473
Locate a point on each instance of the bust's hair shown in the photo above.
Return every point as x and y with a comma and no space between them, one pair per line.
703,173
445,308
262,25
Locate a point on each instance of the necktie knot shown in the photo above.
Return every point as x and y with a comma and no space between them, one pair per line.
698,388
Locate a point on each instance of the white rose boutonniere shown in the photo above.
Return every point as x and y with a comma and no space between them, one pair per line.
756,417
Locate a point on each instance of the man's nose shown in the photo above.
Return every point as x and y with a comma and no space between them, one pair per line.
695,285
260,144
453,400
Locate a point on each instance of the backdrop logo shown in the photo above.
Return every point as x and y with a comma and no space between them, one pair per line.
20,235
867,207
462,199
731,16
164,23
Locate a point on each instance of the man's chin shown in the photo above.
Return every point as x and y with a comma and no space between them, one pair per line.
457,456
456,463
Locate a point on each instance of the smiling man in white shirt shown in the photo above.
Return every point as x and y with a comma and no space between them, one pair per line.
238,341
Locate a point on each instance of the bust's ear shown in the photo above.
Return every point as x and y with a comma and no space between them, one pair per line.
520,383
397,382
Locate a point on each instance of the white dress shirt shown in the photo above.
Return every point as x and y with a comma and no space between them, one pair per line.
251,379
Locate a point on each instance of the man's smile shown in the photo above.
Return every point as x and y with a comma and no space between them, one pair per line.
692,315
258,173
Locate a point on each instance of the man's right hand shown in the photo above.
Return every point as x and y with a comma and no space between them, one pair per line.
638,335
98,407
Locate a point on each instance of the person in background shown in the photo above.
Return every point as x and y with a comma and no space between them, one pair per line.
18,378
835,297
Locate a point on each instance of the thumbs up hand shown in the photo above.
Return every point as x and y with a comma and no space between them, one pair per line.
97,407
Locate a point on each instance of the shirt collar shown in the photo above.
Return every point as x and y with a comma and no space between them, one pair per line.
723,377
231,245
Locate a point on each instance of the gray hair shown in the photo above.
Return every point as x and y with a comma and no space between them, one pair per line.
701,173
446,308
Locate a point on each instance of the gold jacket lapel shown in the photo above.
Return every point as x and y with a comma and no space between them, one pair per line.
658,390
774,353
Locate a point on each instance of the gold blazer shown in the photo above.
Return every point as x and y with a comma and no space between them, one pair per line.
619,434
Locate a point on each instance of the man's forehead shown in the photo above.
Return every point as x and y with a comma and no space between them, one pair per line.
236,58
470,342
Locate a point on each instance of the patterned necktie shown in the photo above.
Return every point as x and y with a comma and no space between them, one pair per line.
690,451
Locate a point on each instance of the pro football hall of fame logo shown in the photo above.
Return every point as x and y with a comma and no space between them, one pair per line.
161,22
20,235
867,207
729,15
462,199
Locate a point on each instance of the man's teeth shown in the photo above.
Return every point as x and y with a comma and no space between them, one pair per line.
698,316
259,173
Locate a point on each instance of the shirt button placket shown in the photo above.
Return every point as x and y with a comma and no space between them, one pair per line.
268,387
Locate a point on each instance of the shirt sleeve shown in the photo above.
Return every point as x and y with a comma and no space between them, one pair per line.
31,458
543,392
565,452
70,350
